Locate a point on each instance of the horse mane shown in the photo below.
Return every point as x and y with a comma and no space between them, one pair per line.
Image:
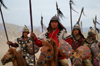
78,52
18,57
55,49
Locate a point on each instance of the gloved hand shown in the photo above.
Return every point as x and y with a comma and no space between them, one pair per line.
9,42
33,36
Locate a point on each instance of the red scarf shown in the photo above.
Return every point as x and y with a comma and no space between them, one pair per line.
53,35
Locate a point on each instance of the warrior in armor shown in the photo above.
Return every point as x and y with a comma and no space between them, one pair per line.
78,40
91,36
21,43
57,32
92,39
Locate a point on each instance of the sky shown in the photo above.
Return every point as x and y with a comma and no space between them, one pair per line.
18,11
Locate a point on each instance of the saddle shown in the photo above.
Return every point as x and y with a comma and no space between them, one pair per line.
95,49
86,52
65,49
30,48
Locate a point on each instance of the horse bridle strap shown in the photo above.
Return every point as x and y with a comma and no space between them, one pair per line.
9,57
77,59
47,56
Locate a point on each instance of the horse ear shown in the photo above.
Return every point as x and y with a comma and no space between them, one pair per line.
73,51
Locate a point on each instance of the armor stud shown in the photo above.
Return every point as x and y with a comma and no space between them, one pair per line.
63,52
62,43
69,52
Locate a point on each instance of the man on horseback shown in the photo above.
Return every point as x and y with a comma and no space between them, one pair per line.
56,31
22,47
92,39
78,40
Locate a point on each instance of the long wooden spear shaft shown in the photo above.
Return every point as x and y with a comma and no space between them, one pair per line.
80,15
4,24
71,14
95,27
32,28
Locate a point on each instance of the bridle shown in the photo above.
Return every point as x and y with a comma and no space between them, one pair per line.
8,58
77,59
47,57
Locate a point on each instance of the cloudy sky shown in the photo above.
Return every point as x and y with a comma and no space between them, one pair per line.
18,11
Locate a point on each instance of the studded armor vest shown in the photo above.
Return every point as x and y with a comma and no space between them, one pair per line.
23,43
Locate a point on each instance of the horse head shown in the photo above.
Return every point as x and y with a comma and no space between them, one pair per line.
13,56
48,53
77,58
8,57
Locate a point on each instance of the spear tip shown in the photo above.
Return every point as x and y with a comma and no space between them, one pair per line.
56,5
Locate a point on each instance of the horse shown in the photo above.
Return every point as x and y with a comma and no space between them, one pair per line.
15,57
49,53
80,54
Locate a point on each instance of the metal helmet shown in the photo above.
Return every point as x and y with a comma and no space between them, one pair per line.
55,18
91,31
25,29
76,26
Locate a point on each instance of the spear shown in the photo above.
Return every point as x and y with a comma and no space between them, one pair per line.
81,27
94,21
32,28
80,14
1,3
42,22
71,14
71,8
95,27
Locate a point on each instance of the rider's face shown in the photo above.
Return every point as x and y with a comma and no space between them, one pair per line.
54,24
25,34
94,36
76,32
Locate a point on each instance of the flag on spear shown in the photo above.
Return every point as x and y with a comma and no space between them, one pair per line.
59,12
98,30
71,8
1,3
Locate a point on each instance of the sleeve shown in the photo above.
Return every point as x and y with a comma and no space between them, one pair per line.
69,40
66,37
38,42
15,44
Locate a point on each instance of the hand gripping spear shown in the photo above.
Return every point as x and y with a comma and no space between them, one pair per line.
32,28
1,3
